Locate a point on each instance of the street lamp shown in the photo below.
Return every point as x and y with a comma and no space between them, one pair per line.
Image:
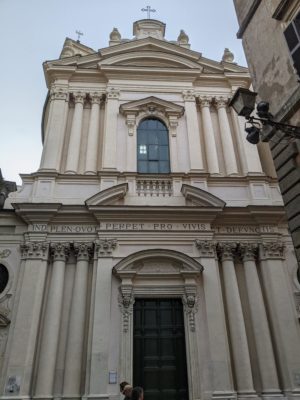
243,103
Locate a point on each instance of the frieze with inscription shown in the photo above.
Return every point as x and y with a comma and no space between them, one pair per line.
153,226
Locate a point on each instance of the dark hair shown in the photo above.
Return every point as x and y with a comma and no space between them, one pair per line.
122,385
136,393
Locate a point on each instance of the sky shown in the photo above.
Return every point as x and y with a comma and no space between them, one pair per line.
33,31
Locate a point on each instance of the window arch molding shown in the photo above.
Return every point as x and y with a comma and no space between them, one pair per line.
8,286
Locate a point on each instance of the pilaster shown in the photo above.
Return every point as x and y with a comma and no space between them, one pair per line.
93,135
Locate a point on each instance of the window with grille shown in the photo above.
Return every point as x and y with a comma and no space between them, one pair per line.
153,147
292,36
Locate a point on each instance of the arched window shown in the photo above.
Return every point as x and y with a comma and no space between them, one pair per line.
3,277
153,147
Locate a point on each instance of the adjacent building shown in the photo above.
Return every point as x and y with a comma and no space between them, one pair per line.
270,31
151,245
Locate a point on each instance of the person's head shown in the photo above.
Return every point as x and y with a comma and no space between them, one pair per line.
137,393
122,385
127,390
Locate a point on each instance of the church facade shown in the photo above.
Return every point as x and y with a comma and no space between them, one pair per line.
151,245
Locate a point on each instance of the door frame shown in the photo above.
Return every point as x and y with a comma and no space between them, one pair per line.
160,274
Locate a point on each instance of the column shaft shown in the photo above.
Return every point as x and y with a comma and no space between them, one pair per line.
240,351
51,328
101,327
75,136
109,159
209,137
226,138
217,333
195,150
25,333
285,327
93,137
248,153
73,362
55,130
262,336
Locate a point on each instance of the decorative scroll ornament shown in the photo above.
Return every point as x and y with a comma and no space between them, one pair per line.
105,247
60,251
83,250
130,122
5,253
34,250
206,248
190,306
273,250
248,251
226,250
126,301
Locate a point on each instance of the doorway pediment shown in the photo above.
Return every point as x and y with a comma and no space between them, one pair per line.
152,104
199,197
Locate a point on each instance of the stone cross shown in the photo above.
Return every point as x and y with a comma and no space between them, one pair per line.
79,34
148,9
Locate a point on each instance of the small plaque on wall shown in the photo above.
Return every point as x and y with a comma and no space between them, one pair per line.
112,377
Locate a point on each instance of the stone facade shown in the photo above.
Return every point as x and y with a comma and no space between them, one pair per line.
87,235
262,27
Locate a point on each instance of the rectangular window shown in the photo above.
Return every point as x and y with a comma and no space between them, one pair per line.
292,36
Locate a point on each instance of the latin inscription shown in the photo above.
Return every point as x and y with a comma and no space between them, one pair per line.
154,226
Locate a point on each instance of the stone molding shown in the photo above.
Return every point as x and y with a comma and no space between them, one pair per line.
60,251
34,250
105,247
248,251
206,248
271,250
190,305
4,253
83,250
226,250
126,301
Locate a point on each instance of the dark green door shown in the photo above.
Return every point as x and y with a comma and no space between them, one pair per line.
159,358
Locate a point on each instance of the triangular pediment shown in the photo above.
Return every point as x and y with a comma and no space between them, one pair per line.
199,197
108,196
154,103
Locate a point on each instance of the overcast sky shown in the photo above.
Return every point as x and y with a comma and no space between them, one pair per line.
33,31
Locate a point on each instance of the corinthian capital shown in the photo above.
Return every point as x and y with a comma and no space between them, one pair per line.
83,251
248,251
57,93
113,93
35,250
95,97
206,248
221,102
188,95
105,247
273,250
205,101
226,250
79,97
60,251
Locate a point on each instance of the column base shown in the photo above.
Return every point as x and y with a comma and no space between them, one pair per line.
272,395
243,395
223,395
90,173
70,172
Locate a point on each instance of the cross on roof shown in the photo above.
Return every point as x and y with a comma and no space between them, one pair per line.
79,34
148,9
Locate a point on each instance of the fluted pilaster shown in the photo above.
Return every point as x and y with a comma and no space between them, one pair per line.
93,135
209,136
75,135
50,331
226,137
240,351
